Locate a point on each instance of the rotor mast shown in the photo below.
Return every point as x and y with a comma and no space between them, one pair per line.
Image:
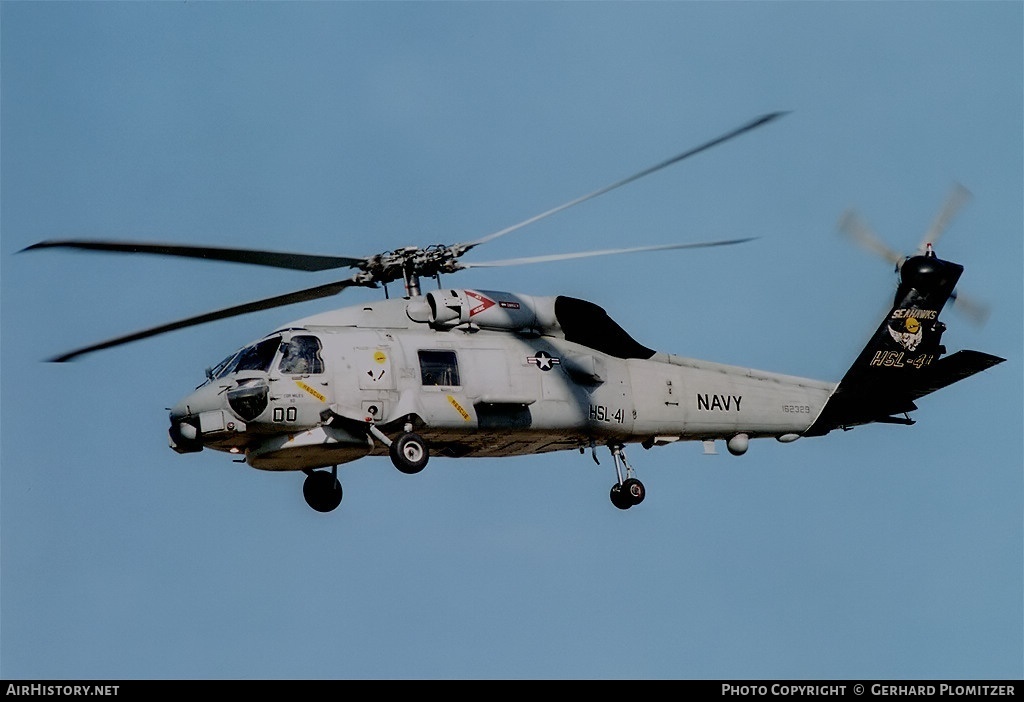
412,277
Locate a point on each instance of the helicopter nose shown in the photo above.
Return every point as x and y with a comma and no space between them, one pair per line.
190,407
179,411
205,398
183,434
197,416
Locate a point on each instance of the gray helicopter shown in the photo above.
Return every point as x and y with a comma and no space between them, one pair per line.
480,373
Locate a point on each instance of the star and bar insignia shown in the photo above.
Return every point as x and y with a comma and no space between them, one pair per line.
543,360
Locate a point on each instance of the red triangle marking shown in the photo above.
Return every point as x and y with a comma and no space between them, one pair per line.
484,302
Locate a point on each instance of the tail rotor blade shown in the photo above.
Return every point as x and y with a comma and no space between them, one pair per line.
955,201
854,227
976,311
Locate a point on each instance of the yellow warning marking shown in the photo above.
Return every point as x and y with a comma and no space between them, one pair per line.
458,407
379,356
311,391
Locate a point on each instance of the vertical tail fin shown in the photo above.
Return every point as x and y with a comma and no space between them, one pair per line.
903,361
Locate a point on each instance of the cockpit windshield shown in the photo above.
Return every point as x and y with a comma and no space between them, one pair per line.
256,356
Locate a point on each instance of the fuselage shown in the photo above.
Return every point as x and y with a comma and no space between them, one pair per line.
509,375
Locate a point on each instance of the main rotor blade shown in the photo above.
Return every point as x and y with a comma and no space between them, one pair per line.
278,301
604,252
956,199
275,259
636,176
854,227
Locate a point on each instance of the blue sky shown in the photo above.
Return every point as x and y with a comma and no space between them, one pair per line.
885,552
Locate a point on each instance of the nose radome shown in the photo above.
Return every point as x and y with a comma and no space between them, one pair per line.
179,411
202,399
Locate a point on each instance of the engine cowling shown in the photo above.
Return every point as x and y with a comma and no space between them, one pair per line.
489,309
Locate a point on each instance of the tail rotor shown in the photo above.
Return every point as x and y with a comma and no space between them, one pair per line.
857,230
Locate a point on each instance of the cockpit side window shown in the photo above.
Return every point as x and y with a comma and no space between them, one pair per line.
300,355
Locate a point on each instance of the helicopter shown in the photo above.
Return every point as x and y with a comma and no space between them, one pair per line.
464,373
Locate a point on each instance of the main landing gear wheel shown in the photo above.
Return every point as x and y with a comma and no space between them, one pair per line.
619,498
634,491
628,493
322,490
409,453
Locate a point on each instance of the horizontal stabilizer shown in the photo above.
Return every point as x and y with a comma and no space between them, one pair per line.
861,400
949,370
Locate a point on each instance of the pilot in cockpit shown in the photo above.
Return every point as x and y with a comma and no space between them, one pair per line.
299,356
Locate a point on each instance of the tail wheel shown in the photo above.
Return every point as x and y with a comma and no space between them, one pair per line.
409,453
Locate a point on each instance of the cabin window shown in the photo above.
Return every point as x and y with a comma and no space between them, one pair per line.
300,355
439,368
